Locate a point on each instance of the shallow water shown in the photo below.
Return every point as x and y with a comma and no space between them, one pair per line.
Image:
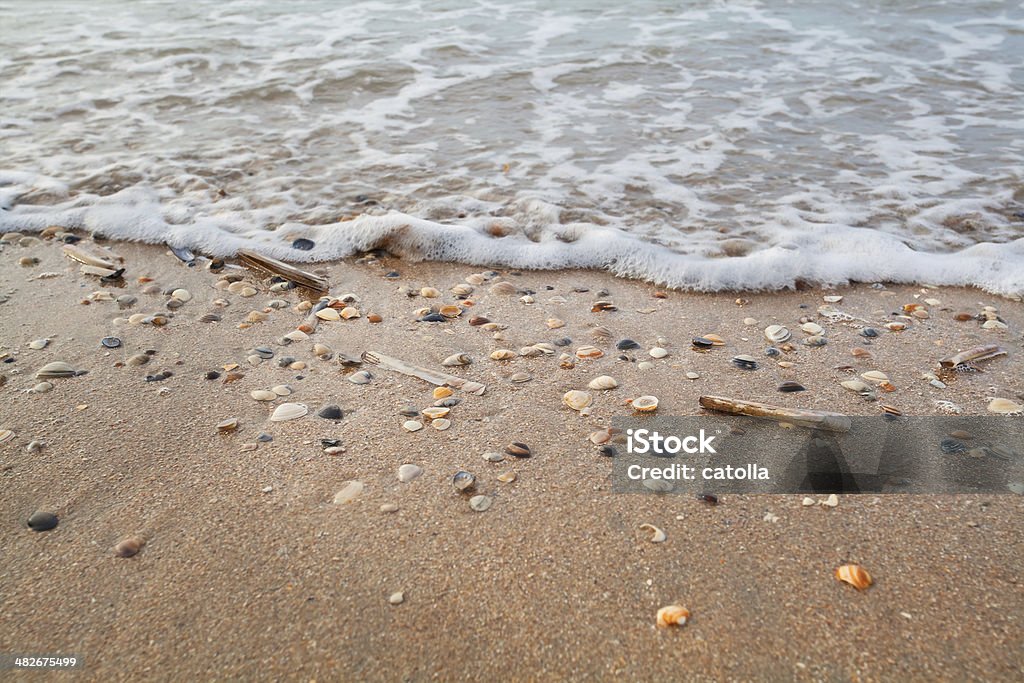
718,145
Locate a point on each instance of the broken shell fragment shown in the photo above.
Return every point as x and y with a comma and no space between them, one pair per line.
349,492
503,354
463,481
855,575
288,411
776,334
350,312
1004,406
577,400
263,395
456,360
645,404
480,503
673,615
589,352
603,383
658,535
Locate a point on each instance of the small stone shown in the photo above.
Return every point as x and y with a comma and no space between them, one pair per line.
832,501
37,344
408,472
389,507
138,359
645,365
692,375
42,521
480,503
129,547
412,425
658,352
110,342
807,501
330,412
302,244
397,598
492,456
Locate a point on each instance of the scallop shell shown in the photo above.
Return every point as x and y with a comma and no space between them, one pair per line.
328,314
776,334
56,369
659,536
589,352
645,404
503,354
350,312
601,333
1004,406
577,400
456,360
603,383
462,290
263,395
476,278
503,288
288,411
673,615
855,575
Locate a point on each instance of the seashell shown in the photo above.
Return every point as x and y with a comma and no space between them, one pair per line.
859,352
673,615
361,377
463,481
350,312
601,333
476,279
228,425
331,412
645,404
776,334
807,501
56,369
441,392
263,395
994,325
129,547
603,306
544,347
255,317
41,388
745,362
480,503
659,535
247,292
1004,406
520,377
208,318
589,352
408,472
182,295
38,344
506,477
6,435
450,311
890,410
412,425
815,340
288,411
603,383
644,365
566,362
790,386
282,390
503,289
831,502
518,450
692,375
456,360
138,359
855,385
527,299
441,424
658,352
503,354
349,492
430,293
832,299
983,352
478,320
435,412
492,327
875,377
462,290
530,352
137,318
374,318
328,314
554,323
855,575
577,400
812,328
896,326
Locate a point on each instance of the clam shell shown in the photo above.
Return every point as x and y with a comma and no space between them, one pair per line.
589,352
503,288
776,334
56,369
645,404
6,435
658,352
603,383
545,347
658,536
441,424
298,335
263,395
430,292
328,314
181,295
577,400
812,328
554,323
441,392
480,503
520,377
875,377
530,352
456,360
601,333
503,354
435,412
506,477
349,492
1004,406
450,311
463,481
673,615
855,575
462,290
288,411
41,388
350,312
855,385
361,377
282,390
476,278
412,425
37,344
408,472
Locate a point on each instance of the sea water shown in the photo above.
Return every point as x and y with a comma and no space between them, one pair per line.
704,145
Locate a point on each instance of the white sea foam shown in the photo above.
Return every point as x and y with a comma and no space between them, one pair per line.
742,145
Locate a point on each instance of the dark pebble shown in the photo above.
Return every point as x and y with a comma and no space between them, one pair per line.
70,239
433,318
392,275
216,264
709,498
110,342
608,451
42,521
263,437
626,345
869,332
564,341
409,411
702,343
330,413
449,402
264,352
212,374
285,361
518,450
789,387
302,244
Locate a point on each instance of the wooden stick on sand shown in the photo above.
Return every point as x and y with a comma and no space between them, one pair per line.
813,419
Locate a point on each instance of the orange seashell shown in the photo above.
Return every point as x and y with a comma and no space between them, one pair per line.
645,404
589,352
673,615
715,339
308,329
855,575
861,353
963,317
886,386
442,392
897,327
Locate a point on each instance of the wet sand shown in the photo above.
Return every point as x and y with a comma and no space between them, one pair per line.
555,580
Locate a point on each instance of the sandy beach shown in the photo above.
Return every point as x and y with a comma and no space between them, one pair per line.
249,570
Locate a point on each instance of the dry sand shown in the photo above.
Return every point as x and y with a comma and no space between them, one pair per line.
555,580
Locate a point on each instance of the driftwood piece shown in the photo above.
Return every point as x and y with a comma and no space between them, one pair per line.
426,374
983,352
299,277
814,419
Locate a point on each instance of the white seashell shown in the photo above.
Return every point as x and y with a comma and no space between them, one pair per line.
659,535
645,365
530,352
350,312
263,395
457,360
361,377
38,344
282,390
520,377
1004,406
435,412
182,295
832,299
545,347
807,501
349,492
296,335
462,290
503,288
288,411
41,388
658,352
645,404
407,473
412,425
480,503
503,354
776,334
56,369
476,279
527,299
430,293
994,325
328,314
875,377
812,328
603,383
750,321
555,323
577,400
831,502
855,385
441,424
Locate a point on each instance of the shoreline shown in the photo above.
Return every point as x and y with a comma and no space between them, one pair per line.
556,579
